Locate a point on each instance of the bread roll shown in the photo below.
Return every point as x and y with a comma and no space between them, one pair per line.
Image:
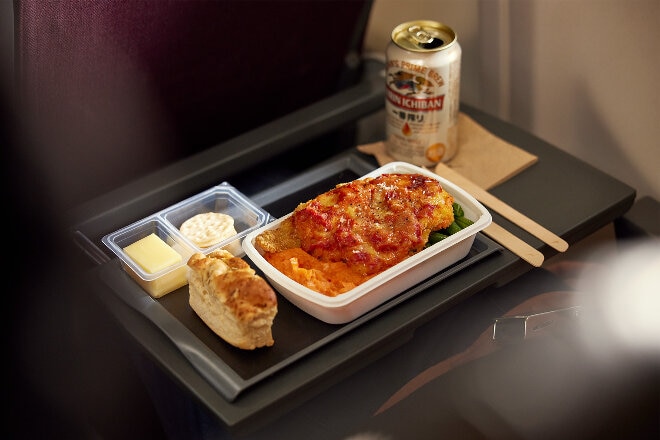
235,302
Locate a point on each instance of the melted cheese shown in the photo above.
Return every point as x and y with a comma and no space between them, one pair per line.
372,224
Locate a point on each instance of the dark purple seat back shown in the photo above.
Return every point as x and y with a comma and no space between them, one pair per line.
118,88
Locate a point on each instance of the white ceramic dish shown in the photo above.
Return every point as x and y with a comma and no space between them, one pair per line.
363,298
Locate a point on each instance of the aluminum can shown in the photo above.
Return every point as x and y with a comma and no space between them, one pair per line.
423,66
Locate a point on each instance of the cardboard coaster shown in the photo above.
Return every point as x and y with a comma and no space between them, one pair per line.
482,157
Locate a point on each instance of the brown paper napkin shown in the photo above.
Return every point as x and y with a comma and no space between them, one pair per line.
482,157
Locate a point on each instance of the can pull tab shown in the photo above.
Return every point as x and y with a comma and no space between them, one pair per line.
423,38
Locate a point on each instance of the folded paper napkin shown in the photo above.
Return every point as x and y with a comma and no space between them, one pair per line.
482,157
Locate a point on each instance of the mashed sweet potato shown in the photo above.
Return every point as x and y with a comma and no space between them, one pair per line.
329,277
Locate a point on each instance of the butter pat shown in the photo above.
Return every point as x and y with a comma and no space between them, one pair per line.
152,254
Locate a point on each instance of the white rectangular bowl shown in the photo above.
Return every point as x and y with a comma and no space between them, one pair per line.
350,305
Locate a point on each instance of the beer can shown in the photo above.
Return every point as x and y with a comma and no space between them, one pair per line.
423,63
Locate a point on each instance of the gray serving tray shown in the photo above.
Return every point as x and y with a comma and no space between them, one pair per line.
232,371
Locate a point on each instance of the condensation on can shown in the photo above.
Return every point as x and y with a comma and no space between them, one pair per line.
423,63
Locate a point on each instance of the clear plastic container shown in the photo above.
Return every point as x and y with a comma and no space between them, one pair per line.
165,224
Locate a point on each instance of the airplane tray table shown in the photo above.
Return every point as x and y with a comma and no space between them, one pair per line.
252,389
230,370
